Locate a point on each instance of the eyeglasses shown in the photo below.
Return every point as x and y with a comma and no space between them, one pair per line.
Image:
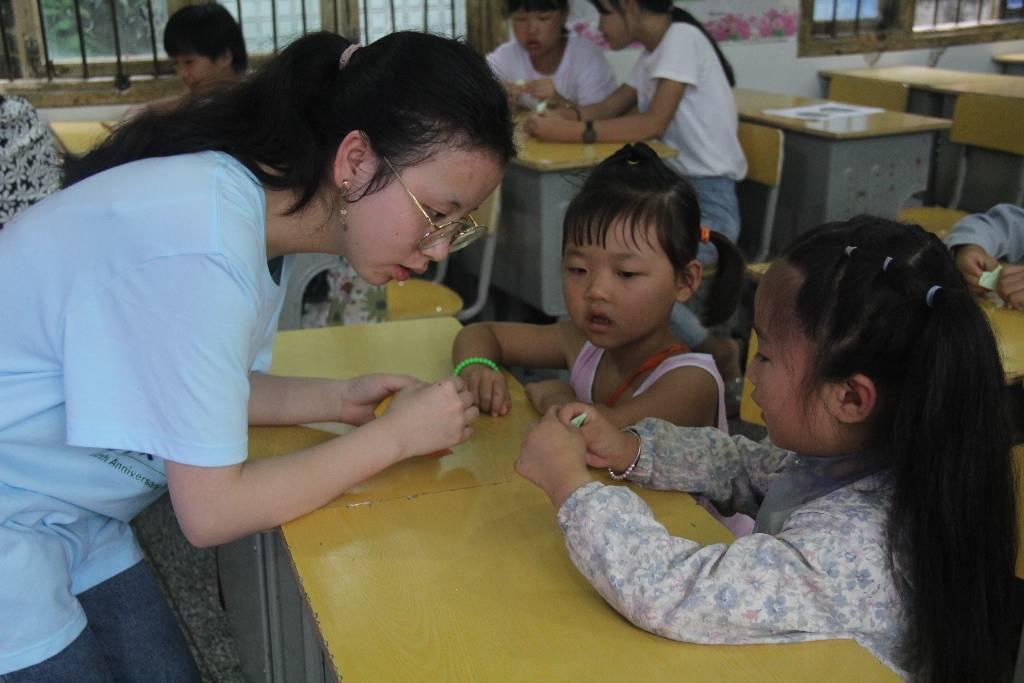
459,234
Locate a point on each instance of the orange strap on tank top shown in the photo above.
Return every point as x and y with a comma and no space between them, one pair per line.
649,364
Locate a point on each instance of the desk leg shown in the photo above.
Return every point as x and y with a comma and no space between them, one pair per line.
831,180
275,636
528,261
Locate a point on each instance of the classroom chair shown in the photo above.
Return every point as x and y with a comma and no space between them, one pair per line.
758,193
304,268
749,412
980,122
79,137
868,92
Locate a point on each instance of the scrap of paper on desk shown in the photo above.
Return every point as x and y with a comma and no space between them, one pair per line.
383,405
825,111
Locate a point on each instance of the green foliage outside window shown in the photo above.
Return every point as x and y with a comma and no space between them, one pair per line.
98,28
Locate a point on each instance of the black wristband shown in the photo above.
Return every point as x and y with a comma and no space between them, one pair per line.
589,134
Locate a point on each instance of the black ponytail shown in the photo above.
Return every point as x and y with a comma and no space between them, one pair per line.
679,15
885,299
408,92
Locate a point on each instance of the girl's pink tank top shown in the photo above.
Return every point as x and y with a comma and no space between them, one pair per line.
581,378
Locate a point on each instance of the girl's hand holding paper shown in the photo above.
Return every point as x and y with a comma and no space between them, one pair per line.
554,457
607,445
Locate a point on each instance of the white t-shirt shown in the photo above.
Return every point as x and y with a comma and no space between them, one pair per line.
135,304
704,127
583,76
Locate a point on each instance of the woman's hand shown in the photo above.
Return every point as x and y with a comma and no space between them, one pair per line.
607,445
425,418
553,128
488,388
553,457
360,395
972,261
549,393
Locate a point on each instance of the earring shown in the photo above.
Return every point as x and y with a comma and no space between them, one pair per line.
343,198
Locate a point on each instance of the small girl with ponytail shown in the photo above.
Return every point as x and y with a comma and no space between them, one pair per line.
884,503
629,250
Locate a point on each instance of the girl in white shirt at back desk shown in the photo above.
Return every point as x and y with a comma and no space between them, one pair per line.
545,63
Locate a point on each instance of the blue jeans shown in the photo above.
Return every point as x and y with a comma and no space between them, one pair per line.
131,635
719,211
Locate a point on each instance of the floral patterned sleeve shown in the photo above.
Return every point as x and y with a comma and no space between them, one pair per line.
732,472
824,575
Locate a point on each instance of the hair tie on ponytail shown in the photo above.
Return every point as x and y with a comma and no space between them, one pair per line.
849,250
929,298
886,262
705,234
347,55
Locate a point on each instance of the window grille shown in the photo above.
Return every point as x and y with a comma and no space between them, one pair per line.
85,39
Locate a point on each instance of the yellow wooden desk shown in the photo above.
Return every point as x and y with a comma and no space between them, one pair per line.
933,92
454,568
1008,326
538,186
945,81
1011,63
835,169
78,137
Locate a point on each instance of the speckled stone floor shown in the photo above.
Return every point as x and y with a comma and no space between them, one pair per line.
188,577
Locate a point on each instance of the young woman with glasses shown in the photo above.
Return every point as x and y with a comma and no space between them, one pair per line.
139,311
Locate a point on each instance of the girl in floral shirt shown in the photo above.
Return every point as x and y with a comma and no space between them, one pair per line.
884,502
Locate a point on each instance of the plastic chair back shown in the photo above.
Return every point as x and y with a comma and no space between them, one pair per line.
868,92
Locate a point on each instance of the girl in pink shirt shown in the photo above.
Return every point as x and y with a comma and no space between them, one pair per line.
629,254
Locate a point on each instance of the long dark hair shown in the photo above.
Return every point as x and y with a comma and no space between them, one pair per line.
679,15
635,186
869,306
408,92
536,6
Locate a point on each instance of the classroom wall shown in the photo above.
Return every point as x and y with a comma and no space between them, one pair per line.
774,66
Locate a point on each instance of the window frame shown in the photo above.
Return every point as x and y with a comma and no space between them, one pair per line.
902,36
61,84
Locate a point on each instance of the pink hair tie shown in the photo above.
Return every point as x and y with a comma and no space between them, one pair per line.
347,55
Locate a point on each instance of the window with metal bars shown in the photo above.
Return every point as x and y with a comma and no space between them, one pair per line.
122,39
835,26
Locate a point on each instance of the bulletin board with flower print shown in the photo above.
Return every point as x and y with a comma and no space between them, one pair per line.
726,20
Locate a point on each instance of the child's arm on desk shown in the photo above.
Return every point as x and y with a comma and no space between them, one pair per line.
519,344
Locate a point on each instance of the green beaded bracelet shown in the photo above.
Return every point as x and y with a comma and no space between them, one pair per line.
476,359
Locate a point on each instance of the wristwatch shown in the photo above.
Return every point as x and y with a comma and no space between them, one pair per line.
589,134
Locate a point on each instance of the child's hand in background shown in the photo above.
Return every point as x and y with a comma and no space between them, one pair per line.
549,393
430,417
553,457
553,127
1011,286
488,388
607,445
972,261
